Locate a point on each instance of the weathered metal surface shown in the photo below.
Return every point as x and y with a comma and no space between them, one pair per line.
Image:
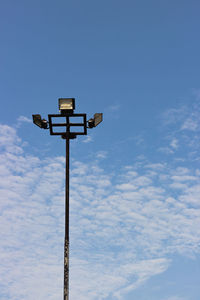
66,270
66,246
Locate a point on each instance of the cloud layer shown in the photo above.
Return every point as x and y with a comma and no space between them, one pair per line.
124,227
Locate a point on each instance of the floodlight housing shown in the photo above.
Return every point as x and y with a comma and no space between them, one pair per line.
96,120
42,123
66,105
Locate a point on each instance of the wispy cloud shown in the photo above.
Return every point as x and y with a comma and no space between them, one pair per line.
185,117
21,120
9,141
175,298
190,124
181,128
114,107
174,143
124,228
88,139
24,119
112,111
101,154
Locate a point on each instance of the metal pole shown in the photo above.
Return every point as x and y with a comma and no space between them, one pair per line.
66,248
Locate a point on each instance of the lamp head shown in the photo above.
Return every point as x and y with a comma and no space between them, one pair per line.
66,105
96,120
42,123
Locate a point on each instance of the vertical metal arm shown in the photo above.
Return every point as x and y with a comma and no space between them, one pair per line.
66,248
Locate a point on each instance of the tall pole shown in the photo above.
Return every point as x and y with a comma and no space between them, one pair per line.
66,107
66,248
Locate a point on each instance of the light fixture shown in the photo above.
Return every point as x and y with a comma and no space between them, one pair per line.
42,123
96,120
66,105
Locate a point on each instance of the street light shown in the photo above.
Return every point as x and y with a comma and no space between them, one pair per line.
66,107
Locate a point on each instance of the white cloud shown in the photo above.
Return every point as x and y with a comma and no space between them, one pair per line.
174,115
24,119
174,143
166,150
114,108
87,139
184,118
101,154
124,229
175,298
9,141
190,124
156,166
142,270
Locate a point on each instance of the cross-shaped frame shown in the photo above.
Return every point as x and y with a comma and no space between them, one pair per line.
69,125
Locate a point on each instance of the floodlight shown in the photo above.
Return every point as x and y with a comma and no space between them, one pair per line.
37,120
96,120
66,105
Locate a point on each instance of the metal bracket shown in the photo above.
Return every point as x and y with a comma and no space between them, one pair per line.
68,126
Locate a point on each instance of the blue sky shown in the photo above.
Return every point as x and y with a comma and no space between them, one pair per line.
135,179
